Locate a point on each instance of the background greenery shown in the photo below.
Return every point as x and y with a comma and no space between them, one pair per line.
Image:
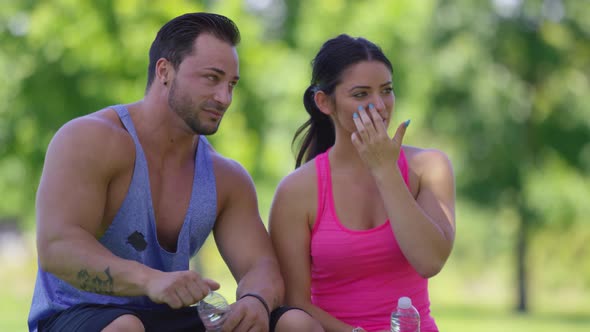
502,86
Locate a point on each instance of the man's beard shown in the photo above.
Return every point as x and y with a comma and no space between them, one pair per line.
186,110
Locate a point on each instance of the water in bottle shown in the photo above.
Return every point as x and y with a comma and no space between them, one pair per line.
213,310
405,318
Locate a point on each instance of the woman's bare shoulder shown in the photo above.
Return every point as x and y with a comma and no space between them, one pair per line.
430,166
300,183
419,158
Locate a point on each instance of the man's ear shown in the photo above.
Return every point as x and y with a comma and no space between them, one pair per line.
164,71
323,102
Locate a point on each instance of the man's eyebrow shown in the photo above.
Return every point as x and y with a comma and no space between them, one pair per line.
367,87
221,72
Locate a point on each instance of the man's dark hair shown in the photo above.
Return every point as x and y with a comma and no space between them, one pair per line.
176,38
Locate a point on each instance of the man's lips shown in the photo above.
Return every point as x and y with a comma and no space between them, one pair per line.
214,112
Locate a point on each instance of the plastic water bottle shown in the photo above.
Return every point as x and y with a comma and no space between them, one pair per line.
405,318
213,310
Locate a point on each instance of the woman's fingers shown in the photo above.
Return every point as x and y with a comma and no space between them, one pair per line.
399,133
378,123
361,130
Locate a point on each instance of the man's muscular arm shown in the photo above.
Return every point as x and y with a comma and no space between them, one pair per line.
70,202
81,160
245,245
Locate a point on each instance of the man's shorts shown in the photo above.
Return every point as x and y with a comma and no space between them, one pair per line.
95,317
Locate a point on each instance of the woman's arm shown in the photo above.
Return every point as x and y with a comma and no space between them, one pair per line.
291,217
424,226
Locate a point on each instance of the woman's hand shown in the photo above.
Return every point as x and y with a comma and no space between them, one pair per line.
372,142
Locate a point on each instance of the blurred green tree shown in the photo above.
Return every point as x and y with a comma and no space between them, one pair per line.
510,79
502,86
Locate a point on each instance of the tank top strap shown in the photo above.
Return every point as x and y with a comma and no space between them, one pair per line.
402,163
324,181
203,206
125,117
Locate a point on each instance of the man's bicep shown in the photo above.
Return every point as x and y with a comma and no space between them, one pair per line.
72,190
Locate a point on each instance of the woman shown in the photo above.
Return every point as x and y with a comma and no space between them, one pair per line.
363,220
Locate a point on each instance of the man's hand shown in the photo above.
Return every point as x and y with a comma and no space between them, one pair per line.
178,289
247,315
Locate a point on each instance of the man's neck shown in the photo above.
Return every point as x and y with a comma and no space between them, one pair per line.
161,131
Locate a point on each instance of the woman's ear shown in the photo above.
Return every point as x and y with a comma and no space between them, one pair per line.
323,102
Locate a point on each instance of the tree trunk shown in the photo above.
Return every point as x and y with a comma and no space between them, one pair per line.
521,264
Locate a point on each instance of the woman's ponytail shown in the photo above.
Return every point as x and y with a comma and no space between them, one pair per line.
317,132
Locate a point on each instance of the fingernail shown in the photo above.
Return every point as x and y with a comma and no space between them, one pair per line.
355,115
360,108
371,106
407,123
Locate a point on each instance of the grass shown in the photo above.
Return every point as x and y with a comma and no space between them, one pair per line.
483,319
17,278
454,308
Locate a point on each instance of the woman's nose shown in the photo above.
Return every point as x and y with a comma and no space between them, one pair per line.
378,104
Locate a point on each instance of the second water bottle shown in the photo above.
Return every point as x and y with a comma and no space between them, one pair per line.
405,318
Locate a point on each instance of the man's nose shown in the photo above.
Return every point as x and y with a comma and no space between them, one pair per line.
223,95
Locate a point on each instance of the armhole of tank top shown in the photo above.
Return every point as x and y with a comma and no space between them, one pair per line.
404,168
320,163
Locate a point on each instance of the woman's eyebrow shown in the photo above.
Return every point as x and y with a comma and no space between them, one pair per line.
367,87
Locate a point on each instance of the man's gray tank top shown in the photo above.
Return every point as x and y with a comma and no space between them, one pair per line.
132,234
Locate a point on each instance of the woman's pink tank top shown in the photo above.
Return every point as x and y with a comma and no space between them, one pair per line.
358,275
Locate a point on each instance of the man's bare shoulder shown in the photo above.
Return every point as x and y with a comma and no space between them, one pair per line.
228,169
96,137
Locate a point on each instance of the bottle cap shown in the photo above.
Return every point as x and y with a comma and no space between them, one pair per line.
404,302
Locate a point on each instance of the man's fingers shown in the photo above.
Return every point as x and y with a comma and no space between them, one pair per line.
247,314
173,301
197,292
213,285
185,296
234,319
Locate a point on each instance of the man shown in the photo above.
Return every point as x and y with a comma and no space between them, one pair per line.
128,194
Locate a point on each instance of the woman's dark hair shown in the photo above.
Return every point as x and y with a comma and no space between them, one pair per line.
176,38
334,57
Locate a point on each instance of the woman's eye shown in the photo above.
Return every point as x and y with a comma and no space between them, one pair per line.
212,78
359,95
388,90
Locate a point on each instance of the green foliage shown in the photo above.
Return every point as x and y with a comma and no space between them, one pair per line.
501,86
514,84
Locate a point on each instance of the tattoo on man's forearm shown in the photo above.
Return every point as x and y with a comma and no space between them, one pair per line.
96,284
